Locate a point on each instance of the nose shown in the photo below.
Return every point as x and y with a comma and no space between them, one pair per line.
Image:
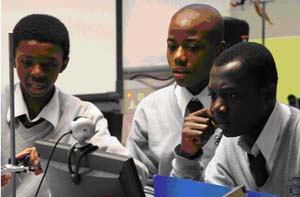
219,106
37,71
180,57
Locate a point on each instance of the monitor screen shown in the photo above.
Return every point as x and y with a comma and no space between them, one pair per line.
102,174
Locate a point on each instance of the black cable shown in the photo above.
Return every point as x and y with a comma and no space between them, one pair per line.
50,157
150,76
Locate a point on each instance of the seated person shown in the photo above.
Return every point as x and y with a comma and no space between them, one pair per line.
195,39
261,144
43,111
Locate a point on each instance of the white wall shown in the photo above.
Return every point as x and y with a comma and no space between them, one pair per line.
91,25
146,25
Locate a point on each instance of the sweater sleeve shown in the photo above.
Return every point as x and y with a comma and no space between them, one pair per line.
217,171
137,143
186,168
194,168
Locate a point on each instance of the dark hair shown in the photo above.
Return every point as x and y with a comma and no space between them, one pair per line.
256,61
42,28
236,30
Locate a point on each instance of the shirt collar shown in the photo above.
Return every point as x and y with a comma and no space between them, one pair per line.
50,112
183,96
271,135
272,132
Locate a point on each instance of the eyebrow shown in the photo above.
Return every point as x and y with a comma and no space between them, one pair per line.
225,89
193,40
186,40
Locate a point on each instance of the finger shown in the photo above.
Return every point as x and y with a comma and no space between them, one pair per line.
202,112
197,119
188,132
23,153
199,112
34,157
5,179
196,126
192,133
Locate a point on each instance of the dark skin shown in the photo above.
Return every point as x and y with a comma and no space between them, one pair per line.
239,106
190,55
38,65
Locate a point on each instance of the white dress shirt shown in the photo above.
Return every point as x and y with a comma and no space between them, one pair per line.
183,97
270,137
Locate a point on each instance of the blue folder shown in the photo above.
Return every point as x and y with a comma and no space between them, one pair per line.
174,187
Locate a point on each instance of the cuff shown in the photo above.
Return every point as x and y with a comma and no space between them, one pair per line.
186,168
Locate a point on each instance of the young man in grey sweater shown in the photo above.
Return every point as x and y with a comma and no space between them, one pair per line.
195,39
261,147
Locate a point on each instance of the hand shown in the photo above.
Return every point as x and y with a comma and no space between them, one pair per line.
197,129
34,158
5,179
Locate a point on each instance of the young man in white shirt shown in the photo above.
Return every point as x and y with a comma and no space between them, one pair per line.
261,144
195,39
43,111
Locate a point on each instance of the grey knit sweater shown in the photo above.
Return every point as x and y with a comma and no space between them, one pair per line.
229,166
156,130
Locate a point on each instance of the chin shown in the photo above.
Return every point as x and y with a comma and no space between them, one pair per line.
182,83
230,133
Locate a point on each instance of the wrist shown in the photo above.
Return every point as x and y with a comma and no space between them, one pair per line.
188,155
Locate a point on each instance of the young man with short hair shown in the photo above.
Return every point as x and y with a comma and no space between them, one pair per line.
43,111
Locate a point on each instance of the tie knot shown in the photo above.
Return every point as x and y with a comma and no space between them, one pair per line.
194,105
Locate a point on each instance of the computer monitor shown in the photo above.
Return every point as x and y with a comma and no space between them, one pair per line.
102,174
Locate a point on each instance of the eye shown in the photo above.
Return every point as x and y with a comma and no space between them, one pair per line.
194,47
233,95
171,46
49,65
27,62
229,95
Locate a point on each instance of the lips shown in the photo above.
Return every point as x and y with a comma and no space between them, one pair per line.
36,87
180,72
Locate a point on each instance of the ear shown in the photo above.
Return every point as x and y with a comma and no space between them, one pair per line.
221,47
269,92
65,63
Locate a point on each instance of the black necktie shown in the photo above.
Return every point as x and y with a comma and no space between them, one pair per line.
194,105
27,124
258,169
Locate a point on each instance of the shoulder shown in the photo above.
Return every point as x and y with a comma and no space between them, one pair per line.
295,119
228,145
73,103
158,97
294,123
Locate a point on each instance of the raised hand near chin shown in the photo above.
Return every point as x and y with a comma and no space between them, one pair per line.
197,129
